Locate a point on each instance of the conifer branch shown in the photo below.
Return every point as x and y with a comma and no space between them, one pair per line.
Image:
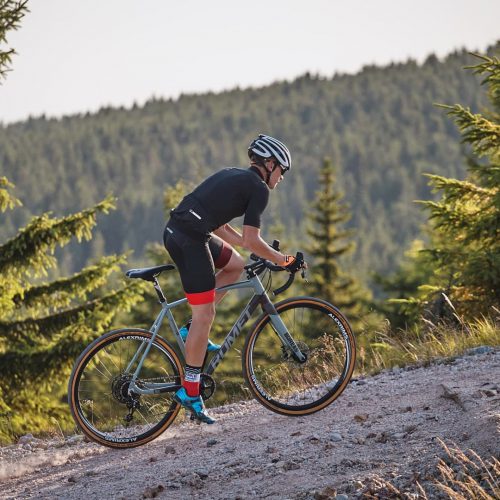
457,189
491,67
44,361
98,312
61,293
11,13
27,251
482,134
7,201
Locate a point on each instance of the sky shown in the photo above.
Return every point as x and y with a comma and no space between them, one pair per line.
79,55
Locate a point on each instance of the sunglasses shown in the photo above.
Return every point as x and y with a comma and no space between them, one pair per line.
283,169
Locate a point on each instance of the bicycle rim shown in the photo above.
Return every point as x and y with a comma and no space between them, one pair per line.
98,392
285,385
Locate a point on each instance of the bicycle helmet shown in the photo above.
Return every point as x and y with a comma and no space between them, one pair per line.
266,146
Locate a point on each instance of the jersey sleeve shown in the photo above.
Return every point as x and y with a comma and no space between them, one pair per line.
256,206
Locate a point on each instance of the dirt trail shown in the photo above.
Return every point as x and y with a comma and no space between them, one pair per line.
388,425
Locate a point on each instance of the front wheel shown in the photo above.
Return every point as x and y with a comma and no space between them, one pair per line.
98,393
282,383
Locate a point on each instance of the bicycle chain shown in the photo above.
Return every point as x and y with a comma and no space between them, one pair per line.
157,379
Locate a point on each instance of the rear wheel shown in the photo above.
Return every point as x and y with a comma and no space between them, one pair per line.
285,385
99,389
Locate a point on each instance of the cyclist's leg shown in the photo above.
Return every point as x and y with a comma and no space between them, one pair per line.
197,272
196,343
229,262
196,269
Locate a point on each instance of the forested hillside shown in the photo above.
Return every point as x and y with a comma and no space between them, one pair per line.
379,127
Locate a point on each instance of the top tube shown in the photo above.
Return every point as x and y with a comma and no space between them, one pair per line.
233,286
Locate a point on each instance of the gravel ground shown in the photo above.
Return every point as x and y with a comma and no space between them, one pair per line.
387,425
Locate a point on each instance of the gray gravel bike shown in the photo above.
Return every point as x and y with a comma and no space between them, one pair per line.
298,357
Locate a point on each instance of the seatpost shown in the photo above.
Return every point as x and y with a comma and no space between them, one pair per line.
159,291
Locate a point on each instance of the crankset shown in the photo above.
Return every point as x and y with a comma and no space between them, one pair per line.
207,386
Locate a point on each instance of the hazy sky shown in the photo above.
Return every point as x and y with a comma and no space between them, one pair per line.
78,55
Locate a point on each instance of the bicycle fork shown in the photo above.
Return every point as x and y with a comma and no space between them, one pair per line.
281,330
285,337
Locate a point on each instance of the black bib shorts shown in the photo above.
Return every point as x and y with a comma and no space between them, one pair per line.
197,257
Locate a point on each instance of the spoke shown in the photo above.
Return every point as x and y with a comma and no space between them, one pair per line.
98,381
144,418
109,394
97,370
111,359
103,398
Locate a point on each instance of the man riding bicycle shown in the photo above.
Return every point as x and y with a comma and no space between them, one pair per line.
200,240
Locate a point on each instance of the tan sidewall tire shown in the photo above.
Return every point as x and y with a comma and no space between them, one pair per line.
285,304
89,352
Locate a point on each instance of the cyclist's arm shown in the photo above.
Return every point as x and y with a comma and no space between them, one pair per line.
253,242
229,234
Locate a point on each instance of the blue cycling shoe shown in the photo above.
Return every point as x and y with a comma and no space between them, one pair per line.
194,405
211,347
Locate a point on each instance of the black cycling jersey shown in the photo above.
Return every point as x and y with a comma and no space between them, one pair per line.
227,194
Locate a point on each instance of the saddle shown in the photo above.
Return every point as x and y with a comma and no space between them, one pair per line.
148,273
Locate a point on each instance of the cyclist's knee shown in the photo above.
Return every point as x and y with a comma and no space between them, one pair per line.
204,312
236,262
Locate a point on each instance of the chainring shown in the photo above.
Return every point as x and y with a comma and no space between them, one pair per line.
207,386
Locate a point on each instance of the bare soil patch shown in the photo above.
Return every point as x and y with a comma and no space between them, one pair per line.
387,425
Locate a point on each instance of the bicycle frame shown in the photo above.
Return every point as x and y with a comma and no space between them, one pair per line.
260,297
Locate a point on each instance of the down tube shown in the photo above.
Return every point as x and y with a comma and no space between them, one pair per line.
234,333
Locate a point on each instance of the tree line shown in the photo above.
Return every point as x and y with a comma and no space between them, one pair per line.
379,127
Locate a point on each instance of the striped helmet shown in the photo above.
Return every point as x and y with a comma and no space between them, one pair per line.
266,146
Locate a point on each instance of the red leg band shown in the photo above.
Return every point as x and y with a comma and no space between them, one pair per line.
198,299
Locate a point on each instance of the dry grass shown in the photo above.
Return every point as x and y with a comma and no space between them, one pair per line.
458,476
386,348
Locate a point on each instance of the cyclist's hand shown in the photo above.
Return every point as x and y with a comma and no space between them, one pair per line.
295,263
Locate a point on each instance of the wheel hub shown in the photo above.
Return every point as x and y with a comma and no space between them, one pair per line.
119,388
289,357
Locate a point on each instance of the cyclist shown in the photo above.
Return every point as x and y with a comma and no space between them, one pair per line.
200,240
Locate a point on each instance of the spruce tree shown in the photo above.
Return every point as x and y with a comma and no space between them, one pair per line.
466,220
329,248
45,324
11,13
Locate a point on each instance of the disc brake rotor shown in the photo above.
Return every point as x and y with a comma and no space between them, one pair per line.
287,356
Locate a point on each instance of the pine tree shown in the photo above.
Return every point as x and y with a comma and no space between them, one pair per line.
466,220
329,246
45,324
11,13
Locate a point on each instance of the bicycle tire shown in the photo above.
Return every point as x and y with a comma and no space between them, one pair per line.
90,399
286,386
